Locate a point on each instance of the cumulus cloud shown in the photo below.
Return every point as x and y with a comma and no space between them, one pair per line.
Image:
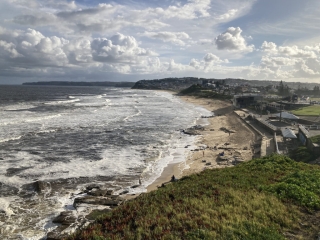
195,63
232,40
175,67
295,51
269,47
119,48
32,50
290,61
208,63
267,61
209,57
173,37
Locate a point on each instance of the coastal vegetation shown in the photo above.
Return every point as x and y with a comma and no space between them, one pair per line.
302,154
313,110
273,197
198,91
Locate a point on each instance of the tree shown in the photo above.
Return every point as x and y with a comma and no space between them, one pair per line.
283,89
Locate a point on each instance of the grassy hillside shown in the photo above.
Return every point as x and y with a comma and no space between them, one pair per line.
198,91
269,198
313,110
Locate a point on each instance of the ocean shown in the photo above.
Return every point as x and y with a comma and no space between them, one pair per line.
75,136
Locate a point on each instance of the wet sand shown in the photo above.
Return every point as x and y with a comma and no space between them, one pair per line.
235,140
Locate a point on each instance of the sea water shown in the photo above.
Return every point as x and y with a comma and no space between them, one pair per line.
75,136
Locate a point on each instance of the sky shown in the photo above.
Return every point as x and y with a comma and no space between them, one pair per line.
130,40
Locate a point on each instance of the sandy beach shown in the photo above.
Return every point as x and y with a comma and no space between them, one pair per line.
226,133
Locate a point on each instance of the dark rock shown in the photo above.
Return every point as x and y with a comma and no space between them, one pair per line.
124,192
98,193
92,186
109,192
34,153
65,218
135,186
97,201
55,234
41,186
208,163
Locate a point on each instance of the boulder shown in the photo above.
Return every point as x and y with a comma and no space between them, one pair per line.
124,192
65,218
41,186
92,186
105,201
98,193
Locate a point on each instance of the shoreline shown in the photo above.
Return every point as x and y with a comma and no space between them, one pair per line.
235,142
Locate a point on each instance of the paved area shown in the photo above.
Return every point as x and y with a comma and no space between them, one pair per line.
267,143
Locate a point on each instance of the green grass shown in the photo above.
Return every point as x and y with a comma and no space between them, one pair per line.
315,139
198,91
313,110
260,199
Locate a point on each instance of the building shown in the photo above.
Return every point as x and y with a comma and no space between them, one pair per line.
245,100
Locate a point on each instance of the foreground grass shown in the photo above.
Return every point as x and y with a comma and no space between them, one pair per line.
265,198
313,110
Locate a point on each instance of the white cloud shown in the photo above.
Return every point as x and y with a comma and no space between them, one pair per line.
32,50
208,63
209,57
267,61
195,63
191,10
119,48
8,50
173,37
82,13
175,67
232,40
230,14
269,47
295,51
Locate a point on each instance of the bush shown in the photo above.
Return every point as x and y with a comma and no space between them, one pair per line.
302,154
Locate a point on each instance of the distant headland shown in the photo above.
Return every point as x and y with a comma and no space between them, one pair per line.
69,83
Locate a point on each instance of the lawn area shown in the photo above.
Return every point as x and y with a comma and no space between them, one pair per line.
269,198
313,110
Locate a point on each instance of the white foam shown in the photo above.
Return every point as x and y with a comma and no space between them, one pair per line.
5,206
10,139
62,102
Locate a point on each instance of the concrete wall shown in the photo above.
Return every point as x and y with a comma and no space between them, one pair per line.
305,140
